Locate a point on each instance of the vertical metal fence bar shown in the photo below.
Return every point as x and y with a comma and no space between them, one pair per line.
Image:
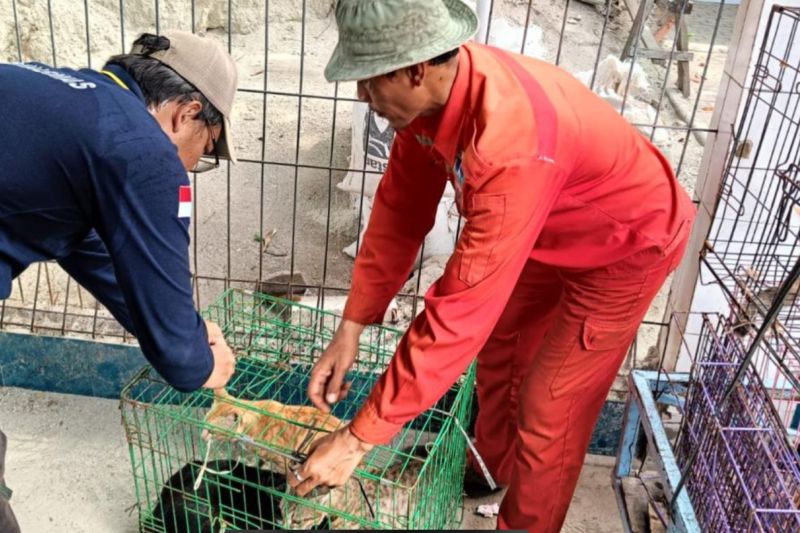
35,296
195,206
264,114
561,35
2,313
489,22
669,66
700,88
364,172
122,25
19,58
415,299
633,58
66,308
527,24
323,281
16,30
95,317
52,33
600,44
88,39
228,168
484,12
195,260
49,283
297,140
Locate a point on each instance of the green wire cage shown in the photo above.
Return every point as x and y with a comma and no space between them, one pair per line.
203,462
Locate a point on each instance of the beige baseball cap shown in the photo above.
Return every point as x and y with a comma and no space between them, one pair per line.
205,64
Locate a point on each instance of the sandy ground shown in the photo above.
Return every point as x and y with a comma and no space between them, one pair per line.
69,467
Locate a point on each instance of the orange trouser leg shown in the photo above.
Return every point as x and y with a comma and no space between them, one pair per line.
502,366
570,373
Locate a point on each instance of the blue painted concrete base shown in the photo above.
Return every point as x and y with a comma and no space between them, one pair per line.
72,366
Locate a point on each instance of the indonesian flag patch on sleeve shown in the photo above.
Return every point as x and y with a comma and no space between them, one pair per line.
185,201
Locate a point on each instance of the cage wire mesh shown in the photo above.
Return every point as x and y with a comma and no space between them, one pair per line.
310,156
737,443
753,243
739,459
745,475
241,447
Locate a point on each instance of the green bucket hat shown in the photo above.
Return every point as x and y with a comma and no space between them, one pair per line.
380,36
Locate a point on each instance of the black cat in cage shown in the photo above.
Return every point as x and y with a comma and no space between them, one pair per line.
238,497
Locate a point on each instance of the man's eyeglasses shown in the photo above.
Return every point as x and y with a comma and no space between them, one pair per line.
208,161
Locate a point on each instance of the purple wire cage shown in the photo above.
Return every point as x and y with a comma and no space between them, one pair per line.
746,476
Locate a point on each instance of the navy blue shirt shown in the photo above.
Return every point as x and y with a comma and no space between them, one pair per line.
88,178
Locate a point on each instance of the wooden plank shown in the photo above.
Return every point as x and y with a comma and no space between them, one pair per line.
637,504
638,27
632,6
664,54
675,7
634,9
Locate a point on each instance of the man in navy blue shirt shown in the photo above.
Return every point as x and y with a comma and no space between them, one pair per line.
93,174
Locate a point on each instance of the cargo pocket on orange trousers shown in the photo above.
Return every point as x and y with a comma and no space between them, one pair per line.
484,226
602,345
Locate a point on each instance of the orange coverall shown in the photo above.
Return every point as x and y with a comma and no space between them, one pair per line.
574,221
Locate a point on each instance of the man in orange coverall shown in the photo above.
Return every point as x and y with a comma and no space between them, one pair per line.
574,220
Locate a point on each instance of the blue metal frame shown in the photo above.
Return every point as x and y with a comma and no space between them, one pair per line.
642,414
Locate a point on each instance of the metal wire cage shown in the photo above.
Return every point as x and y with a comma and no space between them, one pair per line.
197,473
754,242
746,474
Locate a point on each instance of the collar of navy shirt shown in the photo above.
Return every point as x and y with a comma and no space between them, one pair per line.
121,77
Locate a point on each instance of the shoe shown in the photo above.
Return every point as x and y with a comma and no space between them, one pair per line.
475,485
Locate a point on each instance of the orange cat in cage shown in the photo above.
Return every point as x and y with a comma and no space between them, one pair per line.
281,426
289,427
